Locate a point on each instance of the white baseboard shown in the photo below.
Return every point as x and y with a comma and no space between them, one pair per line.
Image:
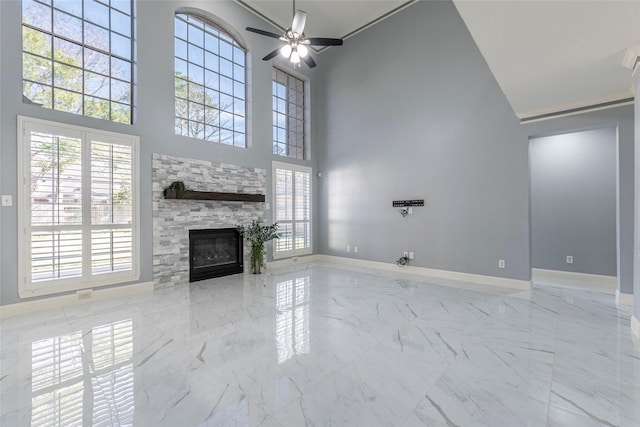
624,299
476,279
292,262
33,306
594,282
635,326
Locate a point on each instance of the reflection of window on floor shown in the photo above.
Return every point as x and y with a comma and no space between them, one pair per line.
292,321
95,389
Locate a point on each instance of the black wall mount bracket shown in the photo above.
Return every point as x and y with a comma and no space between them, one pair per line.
404,203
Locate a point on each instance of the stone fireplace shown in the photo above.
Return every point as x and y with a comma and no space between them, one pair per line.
172,219
214,253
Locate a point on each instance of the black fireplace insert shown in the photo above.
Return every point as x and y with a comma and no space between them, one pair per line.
214,253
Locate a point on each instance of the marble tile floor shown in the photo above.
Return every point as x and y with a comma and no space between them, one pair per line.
324,345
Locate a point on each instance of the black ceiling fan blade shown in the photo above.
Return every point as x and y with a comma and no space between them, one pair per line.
264,33
309,61
324,41
271,55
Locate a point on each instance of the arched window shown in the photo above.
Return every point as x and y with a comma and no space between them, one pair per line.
210,82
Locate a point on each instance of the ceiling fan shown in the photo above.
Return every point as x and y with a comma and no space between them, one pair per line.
296,48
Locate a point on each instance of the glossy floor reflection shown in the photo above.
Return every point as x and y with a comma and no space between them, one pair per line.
325,346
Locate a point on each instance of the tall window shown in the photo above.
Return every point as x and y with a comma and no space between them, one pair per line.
292,209
288,115
78,207
77,56
210,82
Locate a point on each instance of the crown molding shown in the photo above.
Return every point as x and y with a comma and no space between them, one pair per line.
577,108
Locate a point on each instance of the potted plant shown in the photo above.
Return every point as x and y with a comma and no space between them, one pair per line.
258,234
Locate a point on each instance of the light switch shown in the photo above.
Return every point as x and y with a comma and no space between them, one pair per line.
7,200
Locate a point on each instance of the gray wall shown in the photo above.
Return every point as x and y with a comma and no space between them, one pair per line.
622,118
411,111
573,201
154,112
1,161
636,247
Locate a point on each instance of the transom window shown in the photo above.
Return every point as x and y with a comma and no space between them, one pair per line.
288,115
77,56
210,82
78,207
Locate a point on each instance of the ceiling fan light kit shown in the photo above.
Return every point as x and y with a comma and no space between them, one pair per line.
296,47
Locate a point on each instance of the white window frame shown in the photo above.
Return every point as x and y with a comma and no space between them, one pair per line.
294,168
27,288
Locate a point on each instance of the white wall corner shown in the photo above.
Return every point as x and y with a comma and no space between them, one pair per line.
631,61
631,56
635,326
624,299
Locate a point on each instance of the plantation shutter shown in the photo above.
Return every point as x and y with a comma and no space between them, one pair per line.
77,208
292,209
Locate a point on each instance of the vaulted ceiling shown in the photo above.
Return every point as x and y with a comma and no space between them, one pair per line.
547,55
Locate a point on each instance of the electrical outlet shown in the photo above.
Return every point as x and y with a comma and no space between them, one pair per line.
569,259
501,263
7,200
348,248
85,294
267,205
406,254
355,249
410,211
411,255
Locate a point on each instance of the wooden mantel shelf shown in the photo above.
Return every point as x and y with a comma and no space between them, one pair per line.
212,195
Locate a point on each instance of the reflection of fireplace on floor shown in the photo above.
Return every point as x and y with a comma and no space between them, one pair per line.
214,253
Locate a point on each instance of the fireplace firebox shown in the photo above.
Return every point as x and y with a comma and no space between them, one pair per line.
214,253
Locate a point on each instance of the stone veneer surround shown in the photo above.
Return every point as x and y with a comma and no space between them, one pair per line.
172,219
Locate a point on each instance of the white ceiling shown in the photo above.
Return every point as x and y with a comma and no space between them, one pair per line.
552,56
547,55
